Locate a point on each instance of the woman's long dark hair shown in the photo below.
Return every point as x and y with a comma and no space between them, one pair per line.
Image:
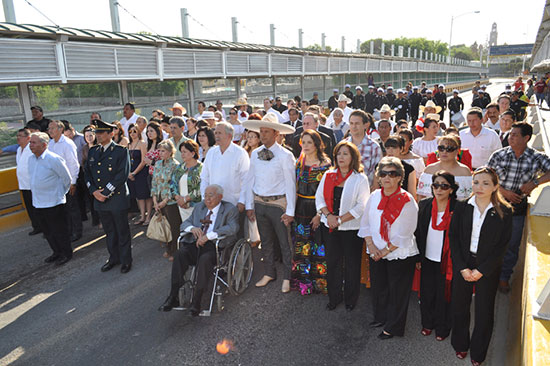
450,179
209,134
319,145
155,126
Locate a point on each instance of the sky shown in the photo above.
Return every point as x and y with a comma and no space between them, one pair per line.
354,20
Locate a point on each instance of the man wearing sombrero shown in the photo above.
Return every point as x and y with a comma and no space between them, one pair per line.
178,110
271,195
241,105
343,102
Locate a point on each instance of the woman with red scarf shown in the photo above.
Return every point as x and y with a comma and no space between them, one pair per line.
388,226
340,200
432,238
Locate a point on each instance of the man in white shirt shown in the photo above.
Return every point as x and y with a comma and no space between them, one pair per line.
130,117
271,195
226,165
66,148
480,140
177,125
22,170
201,107
491,117
343,105
49,180
219,108
268,107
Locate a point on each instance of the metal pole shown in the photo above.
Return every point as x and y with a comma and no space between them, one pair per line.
300,38
358,46
372,47
184,23
451,35
115,21
234,29
323,36
272,34
382,49
9,11
343,44
409,53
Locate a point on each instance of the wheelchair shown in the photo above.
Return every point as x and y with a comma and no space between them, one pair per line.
232,273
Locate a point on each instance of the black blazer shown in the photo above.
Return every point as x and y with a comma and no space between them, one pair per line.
424,222
493,238
327,140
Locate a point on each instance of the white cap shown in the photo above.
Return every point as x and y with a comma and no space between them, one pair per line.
455,91
358,88
390,87
371,86
335,90
429,91
415,87
441,86
380,89
348,86
207,115
508,86
399,91
484,86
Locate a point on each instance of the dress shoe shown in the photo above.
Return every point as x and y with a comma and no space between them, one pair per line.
34,232
51,258
193,312
286,286
440,338
349,308
330,306
475,363
504,286
108,266
125,268
461,355
76,237
264,281
170,303
62,260
426,332
383,336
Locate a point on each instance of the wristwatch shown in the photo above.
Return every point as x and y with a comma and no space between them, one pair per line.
339,221
536,181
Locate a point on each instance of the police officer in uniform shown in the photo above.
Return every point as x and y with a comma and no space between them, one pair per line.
401,106
440,99
370,100
415,98
106,174
358,101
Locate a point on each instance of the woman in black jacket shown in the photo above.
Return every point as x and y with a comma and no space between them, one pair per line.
480,231
432,238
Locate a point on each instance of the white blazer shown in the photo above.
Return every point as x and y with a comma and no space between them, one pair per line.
355,194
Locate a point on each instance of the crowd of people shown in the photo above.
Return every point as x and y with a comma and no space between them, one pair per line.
378,188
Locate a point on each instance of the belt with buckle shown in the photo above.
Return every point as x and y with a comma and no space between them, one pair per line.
269,198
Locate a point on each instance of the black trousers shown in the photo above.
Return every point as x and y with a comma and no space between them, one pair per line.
272,230
27,199
343,256
486,290
81,192
435,311
53,222
74,216
204,258
391,283
119,240
172,214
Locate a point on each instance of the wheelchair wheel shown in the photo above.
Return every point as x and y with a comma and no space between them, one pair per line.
186,291
240,267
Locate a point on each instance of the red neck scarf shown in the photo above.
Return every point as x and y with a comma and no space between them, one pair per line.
333,180
391,206
446,263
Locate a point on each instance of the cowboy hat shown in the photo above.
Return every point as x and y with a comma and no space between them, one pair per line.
178,106
241,101
270,120
207,115
386,108
430,104
343,98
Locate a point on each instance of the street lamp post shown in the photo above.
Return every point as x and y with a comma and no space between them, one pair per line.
452,21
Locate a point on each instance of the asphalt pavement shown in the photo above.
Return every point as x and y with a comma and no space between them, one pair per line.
77,315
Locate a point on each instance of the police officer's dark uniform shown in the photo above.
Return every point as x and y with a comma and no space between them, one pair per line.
333,101
370,101
440,99
107,170
358,102
348,93
415,98
401,108
380,100
390,97
456,104
480,101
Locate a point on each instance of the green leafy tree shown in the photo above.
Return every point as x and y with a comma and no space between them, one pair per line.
47,96
317,47
437,47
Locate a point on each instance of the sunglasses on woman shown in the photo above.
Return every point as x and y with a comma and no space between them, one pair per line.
391,173
443,186
442,148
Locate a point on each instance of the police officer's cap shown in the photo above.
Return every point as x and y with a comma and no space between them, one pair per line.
415,87
100,126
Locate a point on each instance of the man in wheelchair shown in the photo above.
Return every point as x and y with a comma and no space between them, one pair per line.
212,218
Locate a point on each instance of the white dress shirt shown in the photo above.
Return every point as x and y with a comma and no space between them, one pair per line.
49,179
278,114
272,178
127,122
66,148
228,170
478,218
493,126
355,194
434,240
401,231
481,146
347,112
210,233
22,170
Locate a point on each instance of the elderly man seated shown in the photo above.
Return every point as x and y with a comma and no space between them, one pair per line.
210,220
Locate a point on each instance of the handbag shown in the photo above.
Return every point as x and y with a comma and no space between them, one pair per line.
159,228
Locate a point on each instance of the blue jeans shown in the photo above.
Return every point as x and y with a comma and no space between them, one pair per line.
512,253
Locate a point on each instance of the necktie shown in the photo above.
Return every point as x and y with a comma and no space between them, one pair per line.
206,222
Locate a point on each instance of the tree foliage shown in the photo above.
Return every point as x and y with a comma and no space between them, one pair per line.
317,47
437,47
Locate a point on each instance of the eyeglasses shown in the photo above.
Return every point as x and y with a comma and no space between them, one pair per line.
391,173
443,186
442,148
233,113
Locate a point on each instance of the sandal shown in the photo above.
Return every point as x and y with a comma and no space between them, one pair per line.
426,331
440,339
